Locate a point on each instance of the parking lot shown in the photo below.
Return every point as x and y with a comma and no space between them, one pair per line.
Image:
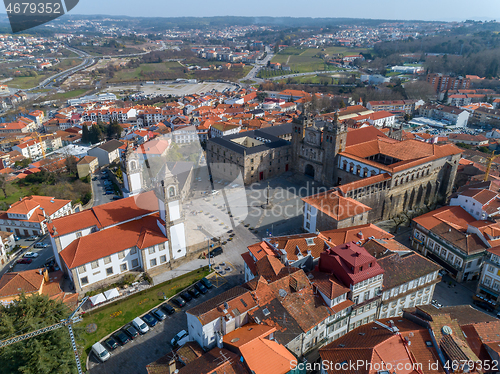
99,189
43,254
134,356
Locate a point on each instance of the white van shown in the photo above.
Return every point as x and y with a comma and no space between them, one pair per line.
101,352
140,325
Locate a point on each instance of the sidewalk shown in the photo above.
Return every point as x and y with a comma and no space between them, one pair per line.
181,270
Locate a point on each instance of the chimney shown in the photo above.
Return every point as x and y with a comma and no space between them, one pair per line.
360,235
46,275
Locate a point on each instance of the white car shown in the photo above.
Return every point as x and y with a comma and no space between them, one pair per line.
140,325
31,255
101,352
215,192
180,339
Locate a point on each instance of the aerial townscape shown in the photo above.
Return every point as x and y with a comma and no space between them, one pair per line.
250,195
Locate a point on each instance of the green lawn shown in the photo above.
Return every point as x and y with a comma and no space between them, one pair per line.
14,192
26,82
307,59
67,95
114,316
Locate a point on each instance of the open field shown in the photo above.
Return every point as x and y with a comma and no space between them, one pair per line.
112,317
26,82
308,59
174,89
66,95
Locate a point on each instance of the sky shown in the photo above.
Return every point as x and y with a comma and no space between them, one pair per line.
428,10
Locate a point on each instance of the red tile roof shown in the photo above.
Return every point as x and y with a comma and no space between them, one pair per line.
333,204
141,233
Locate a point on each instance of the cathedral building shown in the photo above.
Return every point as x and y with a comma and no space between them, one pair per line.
381,171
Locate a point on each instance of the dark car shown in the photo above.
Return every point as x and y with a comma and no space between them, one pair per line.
121,337
169,309
159,315
215,252
194,292
484,305
109,192
186,297
178,302
200,287
150,320
25,261
41,245
131,331
117,197
111,343
206,283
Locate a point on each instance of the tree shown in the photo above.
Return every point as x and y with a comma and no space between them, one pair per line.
47,353
71,165
114,130
445,97
85,135
3,184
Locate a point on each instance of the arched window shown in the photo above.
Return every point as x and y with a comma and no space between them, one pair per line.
171,192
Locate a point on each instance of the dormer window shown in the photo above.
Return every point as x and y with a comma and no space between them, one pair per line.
361,268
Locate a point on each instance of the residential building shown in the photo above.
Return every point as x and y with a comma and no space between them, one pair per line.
476,140
7,243
481,203
33,282
106,153
455,240
451,115
87,166
220,129
441,82
30,215
489,280
331,210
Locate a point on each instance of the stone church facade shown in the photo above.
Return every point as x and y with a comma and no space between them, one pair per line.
381,171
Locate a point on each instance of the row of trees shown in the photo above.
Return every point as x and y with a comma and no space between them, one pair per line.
100,131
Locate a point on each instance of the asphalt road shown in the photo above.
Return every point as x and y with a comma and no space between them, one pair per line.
38,262
99,191
133,357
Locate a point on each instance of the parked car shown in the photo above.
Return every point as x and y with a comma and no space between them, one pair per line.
200,287
140,325
178,302
116,197
101,352
108,192
25,261
32,237
31,255
194,292
132,331
215,252
181,338
484,305
17,238
150,320
169,309
186,297
159,315
206,283
121,337
41,245
111,343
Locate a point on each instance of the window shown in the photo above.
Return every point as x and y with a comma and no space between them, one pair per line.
107,260
82,269
135,263
109,271
121,254
94,264
151,250
163,259
133,251
356,299
366,295
123,267
469,264
161,246
84,281
152,262
78,234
